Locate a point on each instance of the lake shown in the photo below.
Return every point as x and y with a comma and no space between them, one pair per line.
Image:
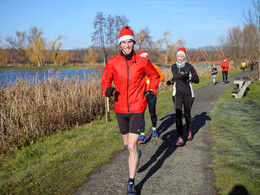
11,76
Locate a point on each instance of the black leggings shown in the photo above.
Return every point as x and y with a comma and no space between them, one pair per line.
187,104
152,111
225,76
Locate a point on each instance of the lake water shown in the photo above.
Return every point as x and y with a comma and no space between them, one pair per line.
11,76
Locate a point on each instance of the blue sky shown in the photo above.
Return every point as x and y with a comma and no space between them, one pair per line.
198,22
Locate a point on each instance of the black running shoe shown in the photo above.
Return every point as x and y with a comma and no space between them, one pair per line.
131,189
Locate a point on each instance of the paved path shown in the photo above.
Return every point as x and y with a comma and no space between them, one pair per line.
165,169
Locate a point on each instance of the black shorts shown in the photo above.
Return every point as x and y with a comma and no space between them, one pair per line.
129,123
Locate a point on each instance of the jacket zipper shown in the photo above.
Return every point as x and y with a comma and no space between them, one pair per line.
127,86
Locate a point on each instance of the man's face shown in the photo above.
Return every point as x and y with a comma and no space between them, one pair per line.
127,46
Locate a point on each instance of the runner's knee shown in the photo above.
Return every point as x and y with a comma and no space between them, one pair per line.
132,147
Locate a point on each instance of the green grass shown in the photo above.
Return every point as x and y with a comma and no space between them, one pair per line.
61,163
235,130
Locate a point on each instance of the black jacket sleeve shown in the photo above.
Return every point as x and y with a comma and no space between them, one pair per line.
194,76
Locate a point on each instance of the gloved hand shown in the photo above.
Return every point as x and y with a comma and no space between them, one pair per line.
149,95
223,67
109,91
185,76
169,83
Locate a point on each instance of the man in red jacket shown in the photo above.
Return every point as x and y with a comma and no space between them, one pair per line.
224,65
128,70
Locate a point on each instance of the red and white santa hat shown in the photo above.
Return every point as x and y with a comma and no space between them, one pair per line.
224,59
125,34
181,50
143,53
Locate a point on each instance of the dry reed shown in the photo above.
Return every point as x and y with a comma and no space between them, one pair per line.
29,111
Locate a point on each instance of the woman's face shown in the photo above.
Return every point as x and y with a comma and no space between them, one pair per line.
180,57
127,46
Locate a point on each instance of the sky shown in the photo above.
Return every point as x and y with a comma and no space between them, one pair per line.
198,22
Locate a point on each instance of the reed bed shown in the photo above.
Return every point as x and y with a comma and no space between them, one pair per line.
30,110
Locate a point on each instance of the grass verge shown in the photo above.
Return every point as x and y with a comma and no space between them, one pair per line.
62,162
236,149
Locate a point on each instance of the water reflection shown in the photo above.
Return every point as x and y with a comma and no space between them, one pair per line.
11,76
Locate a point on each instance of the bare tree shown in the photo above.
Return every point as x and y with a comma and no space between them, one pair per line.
233,44
110,33
34,33
98,36
18,43
56,45
112,29
144,40
250,48
253,17
165,40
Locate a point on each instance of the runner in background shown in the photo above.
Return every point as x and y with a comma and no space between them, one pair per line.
213,71
127,71
184,75
243,66
252,65
225,66
151,104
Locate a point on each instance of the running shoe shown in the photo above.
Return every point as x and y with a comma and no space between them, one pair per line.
142,139
189,138
131,189
139,153
180,142
154,134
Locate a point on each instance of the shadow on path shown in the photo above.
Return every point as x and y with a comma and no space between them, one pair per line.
168,146
198,122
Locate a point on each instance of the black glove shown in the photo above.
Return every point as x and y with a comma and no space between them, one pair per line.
149,95
223,67
185,76
109,91
169,83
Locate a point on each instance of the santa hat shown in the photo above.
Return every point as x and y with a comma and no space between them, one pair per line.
143,53
181,50
224,59
125,34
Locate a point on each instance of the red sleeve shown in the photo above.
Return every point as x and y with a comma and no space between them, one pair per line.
107,77
227,64
154,77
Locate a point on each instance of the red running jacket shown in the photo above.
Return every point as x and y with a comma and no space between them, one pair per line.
130,82
225,65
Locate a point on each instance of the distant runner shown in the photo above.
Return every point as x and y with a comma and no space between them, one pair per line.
213,71
225,66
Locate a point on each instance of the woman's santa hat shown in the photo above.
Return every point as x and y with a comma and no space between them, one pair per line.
125,34
224,59
181,50
143,53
